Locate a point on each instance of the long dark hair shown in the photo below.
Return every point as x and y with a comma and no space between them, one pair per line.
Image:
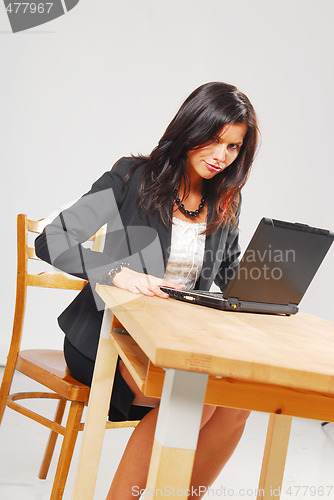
198,121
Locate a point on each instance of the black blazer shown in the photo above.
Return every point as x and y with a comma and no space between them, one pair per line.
130,236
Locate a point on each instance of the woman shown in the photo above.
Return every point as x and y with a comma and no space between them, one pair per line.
172,219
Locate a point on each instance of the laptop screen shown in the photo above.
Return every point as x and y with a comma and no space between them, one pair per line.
279,262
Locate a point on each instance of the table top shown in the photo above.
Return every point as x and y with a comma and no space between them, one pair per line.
292,351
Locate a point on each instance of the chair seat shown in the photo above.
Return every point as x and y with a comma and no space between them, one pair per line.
48,367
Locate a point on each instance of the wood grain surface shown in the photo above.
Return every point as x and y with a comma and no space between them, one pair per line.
291,351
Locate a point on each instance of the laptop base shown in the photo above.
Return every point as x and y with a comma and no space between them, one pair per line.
217,301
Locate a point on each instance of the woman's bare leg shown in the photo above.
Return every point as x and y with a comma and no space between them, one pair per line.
216,444
217,441
131,475
221,430
133,467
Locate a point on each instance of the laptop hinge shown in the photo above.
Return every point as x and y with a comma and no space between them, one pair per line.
240,305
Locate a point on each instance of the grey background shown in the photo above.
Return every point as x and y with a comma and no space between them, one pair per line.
105,79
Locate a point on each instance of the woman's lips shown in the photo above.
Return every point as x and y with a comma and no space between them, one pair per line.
212,167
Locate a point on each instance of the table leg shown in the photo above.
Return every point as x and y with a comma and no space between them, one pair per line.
97,414
176,433
274,456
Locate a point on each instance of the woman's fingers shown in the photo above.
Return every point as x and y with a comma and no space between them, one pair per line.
159,293
172,284
143,283
144,290
152,290
152,284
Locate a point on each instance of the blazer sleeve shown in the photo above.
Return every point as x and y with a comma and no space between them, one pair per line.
232,253
60,244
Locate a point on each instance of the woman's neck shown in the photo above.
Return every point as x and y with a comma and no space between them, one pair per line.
191,200
195,186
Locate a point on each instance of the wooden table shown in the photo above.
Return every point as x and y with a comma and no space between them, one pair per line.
191,355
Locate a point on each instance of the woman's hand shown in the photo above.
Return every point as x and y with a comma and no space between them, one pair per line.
142,283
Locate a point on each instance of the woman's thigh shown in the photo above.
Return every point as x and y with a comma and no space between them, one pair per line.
80,366
122,405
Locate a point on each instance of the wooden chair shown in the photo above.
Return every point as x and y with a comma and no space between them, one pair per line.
46,366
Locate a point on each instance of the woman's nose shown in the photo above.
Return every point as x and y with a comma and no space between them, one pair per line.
220,153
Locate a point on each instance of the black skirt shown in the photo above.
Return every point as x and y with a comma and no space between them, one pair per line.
121,407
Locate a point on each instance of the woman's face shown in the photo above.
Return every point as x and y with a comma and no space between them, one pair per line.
212,158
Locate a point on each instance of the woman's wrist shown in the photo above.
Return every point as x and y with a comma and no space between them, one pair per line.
108,278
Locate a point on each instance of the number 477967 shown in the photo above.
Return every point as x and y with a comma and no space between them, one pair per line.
310,491
29,7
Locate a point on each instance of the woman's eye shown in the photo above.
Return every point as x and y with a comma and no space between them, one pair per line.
235,147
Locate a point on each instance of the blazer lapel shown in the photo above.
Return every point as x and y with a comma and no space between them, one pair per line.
165,237
213,253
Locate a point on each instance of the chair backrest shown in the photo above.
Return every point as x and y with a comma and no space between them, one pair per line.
48,279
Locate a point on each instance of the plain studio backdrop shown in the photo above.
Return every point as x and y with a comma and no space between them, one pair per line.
104,80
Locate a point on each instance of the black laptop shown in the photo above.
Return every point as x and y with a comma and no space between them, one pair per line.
274,272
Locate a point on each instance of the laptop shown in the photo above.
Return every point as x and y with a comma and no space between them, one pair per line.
274,273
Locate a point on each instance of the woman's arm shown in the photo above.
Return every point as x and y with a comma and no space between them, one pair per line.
60,244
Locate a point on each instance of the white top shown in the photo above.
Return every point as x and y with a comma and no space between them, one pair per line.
187,251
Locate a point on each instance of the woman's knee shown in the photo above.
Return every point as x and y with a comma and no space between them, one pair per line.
139,398
208,411
233,417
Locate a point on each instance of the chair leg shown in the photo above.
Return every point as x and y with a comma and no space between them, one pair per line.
6,383
43,472
69,440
